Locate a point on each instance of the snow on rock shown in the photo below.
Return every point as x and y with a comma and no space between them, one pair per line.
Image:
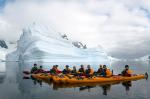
5,48
40,43
3,44
2,53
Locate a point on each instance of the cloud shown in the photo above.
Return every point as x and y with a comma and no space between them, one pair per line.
120,26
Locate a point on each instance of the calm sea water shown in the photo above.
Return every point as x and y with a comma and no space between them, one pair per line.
13,86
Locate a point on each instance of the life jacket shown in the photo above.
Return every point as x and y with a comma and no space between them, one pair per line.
40,71
57,71
108,73
89,71
100,70
53,70
81,70
74,71
66,71
34,69
127,72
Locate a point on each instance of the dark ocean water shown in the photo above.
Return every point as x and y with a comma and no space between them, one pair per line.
13,86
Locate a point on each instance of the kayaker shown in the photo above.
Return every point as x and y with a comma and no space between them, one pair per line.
81,70
57,70
106,72
40,70
100,70
74,71
53,70
89,71
34,68
67,70
126,71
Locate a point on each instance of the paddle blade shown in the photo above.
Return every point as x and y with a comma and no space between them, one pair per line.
26,77
26,72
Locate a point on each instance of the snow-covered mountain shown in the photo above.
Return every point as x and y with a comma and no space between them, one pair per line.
40,43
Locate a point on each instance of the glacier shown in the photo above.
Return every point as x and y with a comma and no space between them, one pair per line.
42,43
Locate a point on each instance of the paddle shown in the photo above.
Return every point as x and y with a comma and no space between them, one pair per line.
26,72
25,77
36,72
146,75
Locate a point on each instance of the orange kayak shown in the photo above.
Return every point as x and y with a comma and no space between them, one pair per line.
42,76
75,80
70,79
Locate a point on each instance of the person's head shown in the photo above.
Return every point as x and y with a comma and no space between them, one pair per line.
53,66
56,66
35,65
100,66
88,66
104,66
126,66
67,66
41,67
82,66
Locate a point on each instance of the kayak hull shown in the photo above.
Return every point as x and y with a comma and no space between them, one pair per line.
42,76
68,79
96,79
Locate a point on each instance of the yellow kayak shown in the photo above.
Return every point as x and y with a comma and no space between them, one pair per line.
75,80
42,76
70,79
68,85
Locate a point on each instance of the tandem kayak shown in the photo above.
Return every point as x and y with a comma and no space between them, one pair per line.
42,76
75,80
70,79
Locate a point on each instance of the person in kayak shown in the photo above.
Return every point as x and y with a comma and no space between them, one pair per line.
81,70
89,71
126,71
106,72
74,71
40,70
34,68
100,70
67,70
53,70
57,70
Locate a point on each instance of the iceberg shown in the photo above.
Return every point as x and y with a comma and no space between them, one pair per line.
41,43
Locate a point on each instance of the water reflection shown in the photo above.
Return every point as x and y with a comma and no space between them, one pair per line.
35,81
127,85
2,77
14,85
106,86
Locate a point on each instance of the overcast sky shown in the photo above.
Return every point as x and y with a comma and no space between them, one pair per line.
121,27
